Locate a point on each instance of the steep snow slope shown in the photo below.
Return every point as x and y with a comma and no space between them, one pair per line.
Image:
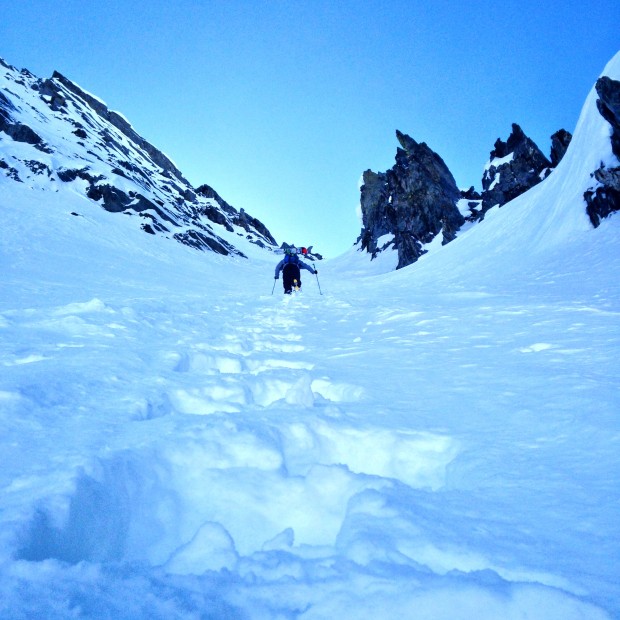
439,443
55,137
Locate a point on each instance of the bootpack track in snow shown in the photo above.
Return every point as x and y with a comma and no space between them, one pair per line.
251,448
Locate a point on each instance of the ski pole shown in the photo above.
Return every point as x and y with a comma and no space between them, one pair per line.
274,286
317,281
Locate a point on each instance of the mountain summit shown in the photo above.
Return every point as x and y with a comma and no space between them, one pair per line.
54,136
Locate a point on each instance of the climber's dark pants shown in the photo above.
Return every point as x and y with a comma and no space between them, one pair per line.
290,273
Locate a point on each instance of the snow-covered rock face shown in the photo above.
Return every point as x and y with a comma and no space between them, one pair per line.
54,136
559,143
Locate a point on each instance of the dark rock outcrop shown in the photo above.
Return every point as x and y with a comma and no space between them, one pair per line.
407,206
604,199
16,130
472,209
10,171
6,107
515,166
559,143
608,105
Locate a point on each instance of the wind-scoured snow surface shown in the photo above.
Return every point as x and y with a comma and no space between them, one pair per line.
441,442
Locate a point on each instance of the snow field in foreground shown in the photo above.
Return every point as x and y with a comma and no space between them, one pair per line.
364,451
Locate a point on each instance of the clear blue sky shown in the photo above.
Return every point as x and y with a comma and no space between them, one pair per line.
281,105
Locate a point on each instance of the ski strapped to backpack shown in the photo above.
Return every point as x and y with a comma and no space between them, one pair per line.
293,250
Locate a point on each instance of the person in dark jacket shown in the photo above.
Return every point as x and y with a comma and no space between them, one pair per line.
289,266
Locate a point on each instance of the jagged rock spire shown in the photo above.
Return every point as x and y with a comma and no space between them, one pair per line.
410,204
514,167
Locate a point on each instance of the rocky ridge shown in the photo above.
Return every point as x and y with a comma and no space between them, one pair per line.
55,136
407,207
